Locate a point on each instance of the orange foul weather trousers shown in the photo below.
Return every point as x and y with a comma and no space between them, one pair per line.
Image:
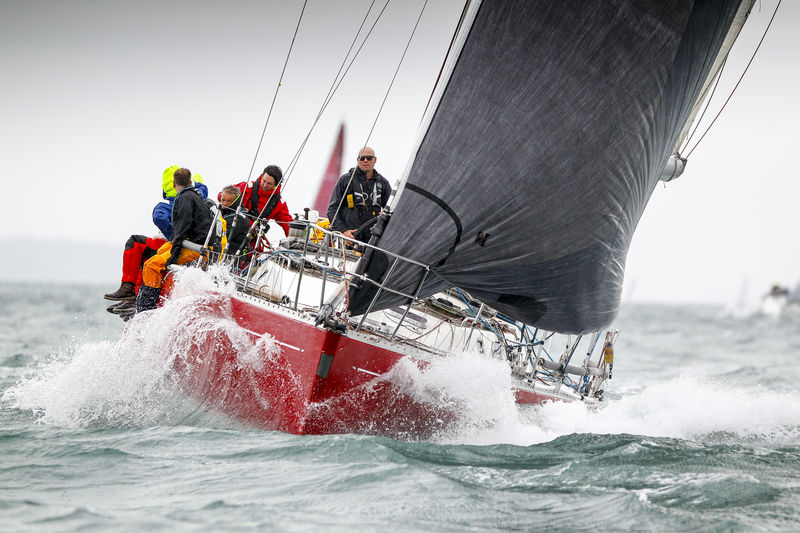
138,249
154,268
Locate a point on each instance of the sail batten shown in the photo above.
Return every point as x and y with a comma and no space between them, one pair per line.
543,149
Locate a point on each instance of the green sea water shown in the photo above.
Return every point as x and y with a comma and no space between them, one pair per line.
700,432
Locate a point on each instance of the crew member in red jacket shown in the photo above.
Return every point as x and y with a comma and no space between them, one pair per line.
267,190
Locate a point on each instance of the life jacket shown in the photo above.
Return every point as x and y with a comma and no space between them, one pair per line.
272,203
235,225
219,228
368,205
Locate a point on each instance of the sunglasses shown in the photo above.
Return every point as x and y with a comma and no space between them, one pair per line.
366,158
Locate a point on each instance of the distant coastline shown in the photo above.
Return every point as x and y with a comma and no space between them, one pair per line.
55,261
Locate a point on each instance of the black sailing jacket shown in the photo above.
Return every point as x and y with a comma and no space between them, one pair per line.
235,235
364,192
191,220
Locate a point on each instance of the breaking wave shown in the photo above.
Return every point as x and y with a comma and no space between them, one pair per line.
686,407
132,382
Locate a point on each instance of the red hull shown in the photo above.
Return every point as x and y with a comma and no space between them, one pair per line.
319,382
292,391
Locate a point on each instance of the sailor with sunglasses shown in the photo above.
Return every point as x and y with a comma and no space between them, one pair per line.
358,197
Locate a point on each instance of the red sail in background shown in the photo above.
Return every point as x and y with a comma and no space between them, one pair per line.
332,174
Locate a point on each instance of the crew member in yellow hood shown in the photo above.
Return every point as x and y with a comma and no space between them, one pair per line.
162,213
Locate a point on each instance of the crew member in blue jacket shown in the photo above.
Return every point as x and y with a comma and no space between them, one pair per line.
162,212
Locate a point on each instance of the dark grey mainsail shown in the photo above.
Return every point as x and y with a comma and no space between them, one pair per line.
545,146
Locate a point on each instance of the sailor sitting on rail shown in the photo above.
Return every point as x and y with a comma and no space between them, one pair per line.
191,220
140,248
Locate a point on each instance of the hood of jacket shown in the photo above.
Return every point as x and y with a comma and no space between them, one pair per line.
168,189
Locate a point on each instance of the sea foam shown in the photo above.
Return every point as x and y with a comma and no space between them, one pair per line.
131,382
689,406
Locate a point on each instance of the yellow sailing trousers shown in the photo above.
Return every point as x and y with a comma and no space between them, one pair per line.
153,271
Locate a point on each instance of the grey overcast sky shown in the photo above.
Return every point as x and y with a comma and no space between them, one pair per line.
98,97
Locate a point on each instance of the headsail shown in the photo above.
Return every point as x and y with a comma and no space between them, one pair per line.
545,146
332,173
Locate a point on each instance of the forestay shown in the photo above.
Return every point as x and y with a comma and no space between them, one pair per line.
547,141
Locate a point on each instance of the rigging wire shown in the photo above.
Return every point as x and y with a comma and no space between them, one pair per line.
476,317
337,80
442,321
399,64
275,95
261,139
385,97
285,179
738,82
705,109
446,56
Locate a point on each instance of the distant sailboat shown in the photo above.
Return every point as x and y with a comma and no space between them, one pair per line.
780,301
332,173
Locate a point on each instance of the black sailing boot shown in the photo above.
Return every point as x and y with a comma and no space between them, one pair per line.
125,292
119,307
124,309
147,298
